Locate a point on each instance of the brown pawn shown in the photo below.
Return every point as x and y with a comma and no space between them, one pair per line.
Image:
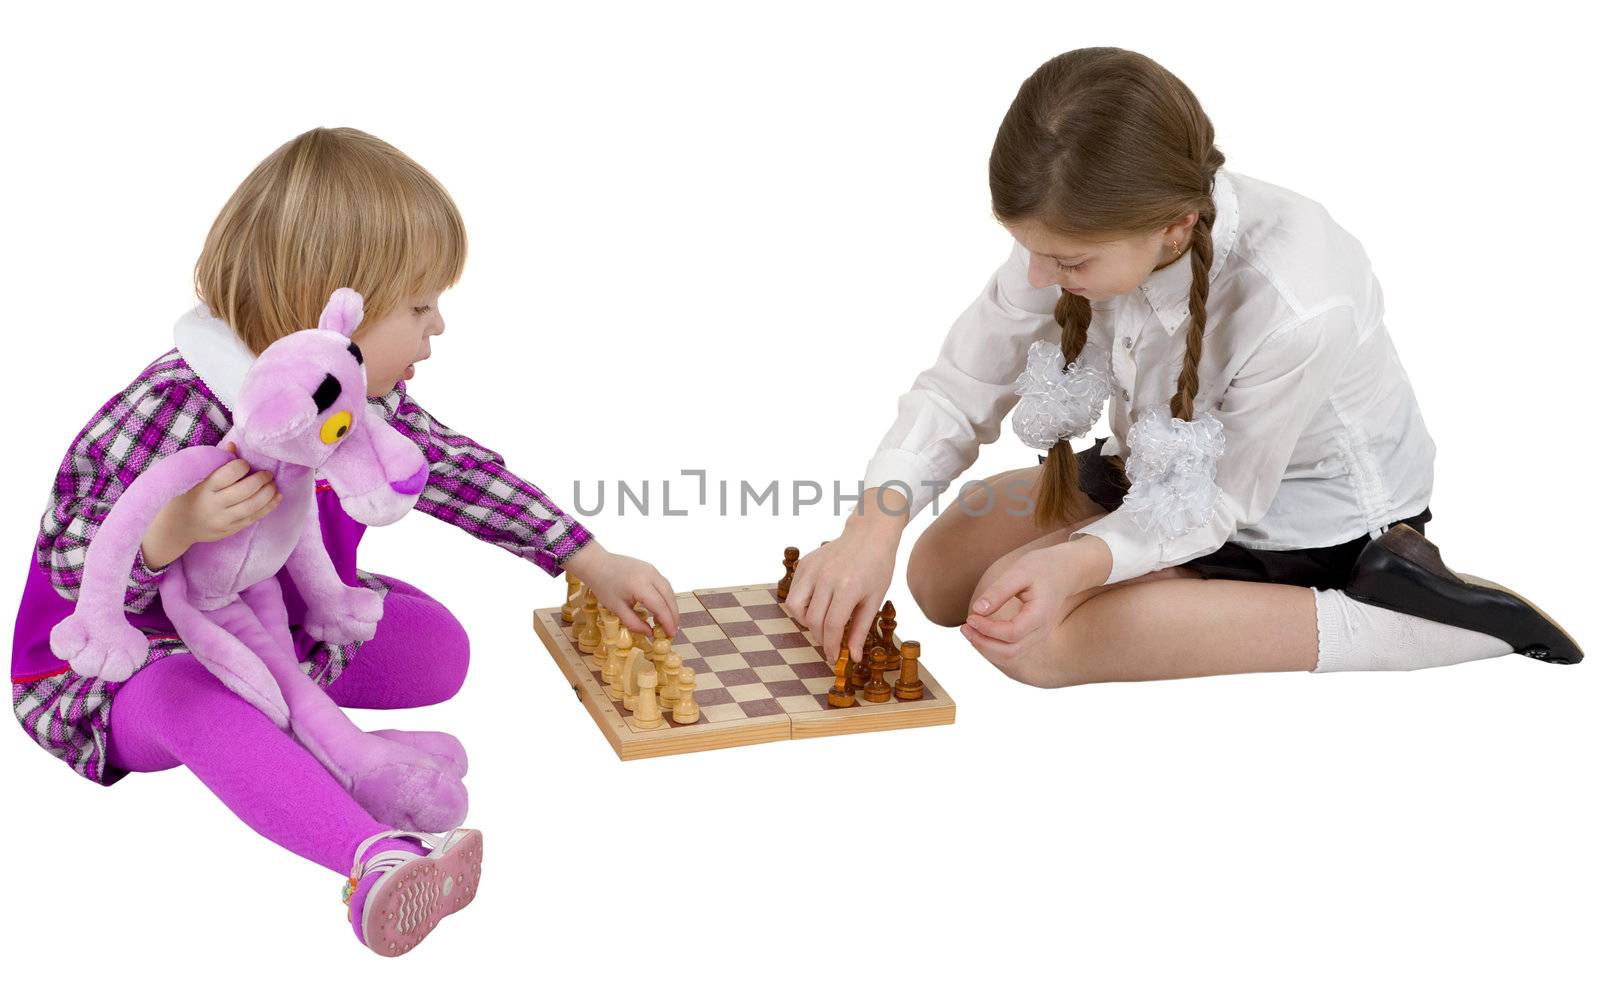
791,558
886,626
858,672
909,686
843,694
877,690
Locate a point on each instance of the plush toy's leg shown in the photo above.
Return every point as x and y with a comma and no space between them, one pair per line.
402,787
442,747
267,602
228,658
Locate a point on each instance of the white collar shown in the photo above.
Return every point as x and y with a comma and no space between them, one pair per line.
1167,290
213,351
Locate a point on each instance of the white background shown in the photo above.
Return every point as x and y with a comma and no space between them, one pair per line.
727,239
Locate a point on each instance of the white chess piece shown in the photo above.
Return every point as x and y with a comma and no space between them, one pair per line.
687,711
628,678
589,633
611,675
647,714
574,601
670,689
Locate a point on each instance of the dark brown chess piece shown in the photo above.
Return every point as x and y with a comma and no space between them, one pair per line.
791,558
886,626
858,672
843,694
909,686
877,690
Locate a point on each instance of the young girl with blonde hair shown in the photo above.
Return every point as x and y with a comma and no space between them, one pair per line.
1261,500
331,208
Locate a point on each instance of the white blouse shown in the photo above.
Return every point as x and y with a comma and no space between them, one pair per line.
1324,440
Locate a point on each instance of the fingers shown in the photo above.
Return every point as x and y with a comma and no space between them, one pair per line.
860,623
990,648
839,610
227,475
800,590
816,609
272,505
254,507
1011,582
630,617
1011,630
661,602
244,489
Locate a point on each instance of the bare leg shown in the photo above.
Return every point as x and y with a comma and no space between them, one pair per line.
1168,624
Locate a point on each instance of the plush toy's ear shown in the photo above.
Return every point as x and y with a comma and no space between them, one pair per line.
277,415
343,312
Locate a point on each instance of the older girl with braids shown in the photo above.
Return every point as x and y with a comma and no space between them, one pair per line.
1260,502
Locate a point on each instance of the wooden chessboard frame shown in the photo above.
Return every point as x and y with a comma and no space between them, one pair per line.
935,708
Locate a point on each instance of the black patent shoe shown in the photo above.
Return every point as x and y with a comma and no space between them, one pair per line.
1401,570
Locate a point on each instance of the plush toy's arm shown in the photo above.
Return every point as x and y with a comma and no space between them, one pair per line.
335,613
97,639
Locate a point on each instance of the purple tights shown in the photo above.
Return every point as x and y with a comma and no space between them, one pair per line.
174,712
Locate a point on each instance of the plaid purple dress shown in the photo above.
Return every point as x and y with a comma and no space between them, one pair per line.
166,408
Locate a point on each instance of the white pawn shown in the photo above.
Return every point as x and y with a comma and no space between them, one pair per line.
670,689
589,624
687,711
647,714
611,675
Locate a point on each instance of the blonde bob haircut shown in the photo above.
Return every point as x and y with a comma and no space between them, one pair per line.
332,208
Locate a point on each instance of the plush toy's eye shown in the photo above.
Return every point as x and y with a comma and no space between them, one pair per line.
335,428
327,392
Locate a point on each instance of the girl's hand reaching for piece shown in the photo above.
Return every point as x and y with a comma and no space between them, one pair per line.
843,582
619,582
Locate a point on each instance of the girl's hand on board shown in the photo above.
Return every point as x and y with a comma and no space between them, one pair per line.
620,582
229,500
844,582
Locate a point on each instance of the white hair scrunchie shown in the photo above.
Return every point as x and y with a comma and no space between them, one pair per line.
1172,471
1058,402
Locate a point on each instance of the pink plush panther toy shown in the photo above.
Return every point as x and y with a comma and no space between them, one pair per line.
302,410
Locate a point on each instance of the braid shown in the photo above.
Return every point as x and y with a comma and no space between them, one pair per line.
1199,291
1105,142
1059,497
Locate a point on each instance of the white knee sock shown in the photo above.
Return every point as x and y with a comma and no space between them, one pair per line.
1355,636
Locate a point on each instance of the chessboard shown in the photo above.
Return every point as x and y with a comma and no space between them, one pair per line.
758,677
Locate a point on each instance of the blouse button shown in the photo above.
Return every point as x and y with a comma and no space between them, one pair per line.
1127,342
1124,394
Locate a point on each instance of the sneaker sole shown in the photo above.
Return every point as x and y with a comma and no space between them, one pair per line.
410,903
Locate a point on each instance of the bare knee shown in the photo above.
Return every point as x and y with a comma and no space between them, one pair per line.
928,578
1047,667
1063,658
1072,653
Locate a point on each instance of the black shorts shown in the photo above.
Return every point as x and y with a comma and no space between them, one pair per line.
1324,568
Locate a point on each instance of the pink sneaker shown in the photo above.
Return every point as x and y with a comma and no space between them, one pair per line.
401,895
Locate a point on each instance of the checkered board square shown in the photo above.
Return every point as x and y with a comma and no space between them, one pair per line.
759,677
